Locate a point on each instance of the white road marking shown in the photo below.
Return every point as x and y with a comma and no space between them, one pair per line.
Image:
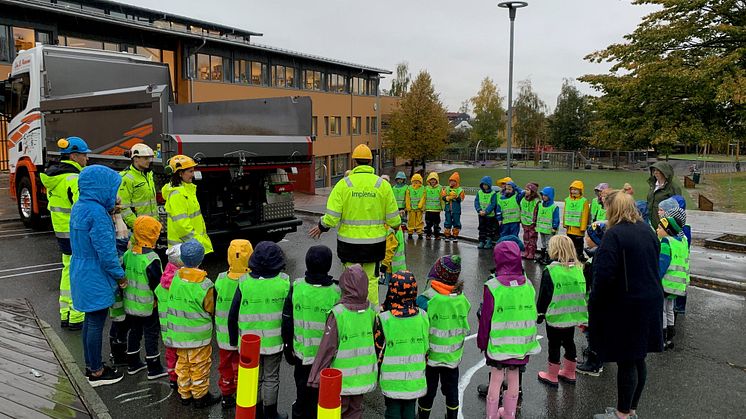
16,230
44,265
131,393
25,234
464,382
136,398
31,273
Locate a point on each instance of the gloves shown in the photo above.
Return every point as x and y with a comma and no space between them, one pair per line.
540,319
287,350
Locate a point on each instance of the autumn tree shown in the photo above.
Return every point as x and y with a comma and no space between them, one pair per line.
400,84
569,125
418,127
489,114
530,113
679,78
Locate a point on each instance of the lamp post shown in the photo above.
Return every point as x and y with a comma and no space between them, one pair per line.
512,7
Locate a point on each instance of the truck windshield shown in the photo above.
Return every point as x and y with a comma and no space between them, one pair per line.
16,94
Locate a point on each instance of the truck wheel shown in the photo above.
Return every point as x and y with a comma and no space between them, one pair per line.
25,198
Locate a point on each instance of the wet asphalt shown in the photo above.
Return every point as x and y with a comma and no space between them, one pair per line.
703,376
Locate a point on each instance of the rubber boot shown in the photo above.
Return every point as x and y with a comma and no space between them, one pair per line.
567,373
228,401
481,245
423,413
134,363
488,244
493,411
550,377
155,368
454,236
270,412
670,332
118,355
451,412
447,234
483,389
509,406
207,400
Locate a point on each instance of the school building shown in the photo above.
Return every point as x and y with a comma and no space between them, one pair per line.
210,62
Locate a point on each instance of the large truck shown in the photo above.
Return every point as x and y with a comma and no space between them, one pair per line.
247,150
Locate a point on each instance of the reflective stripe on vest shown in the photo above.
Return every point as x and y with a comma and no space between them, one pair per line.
399,260
188,324
433,200
161,294
58,199
403,366
485,199
185,220
138,297
544,219
510,209
116,311
261,310
415,195
513,328
356,355
527,210
676,277
400,194
311,305
225,288
574,211
140,194
449,326
568,307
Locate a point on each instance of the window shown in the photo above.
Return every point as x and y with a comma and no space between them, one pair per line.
20,86
335,125
23,38
336,83
169,58
212,67
374,124
44,37
326,125
357,123
84,43
373,87
248,72
258,73
339,165
315,125
312,80
320,169
359,86
283,76
108,46
367,125
239,72
203,67
154,54
4,44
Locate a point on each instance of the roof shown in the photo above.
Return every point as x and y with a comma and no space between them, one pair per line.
161,22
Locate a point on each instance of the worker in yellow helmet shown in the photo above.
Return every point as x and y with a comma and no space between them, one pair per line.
362,204
184,216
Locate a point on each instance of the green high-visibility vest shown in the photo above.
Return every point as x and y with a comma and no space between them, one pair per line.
116,311
510,209
432,198
311,305
138,297
415,195
362,204
544,218
59,204
225,288
185,220
261,310
137,192
356,353
527,210
449,325
400,194
485,199
161,295
189,325
513,328
574,211
598,212
457,191
569,307
676,277
403,366
399,260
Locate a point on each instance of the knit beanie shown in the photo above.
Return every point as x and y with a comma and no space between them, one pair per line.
670,225
192,253
267,261
512,238
318,260
446,269
601,186
668,204
596,232
677,214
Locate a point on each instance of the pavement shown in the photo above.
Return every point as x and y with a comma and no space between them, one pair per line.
703,376
709,267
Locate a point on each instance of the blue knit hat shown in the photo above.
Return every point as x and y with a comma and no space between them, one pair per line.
192,253
596,232
668,204
512,238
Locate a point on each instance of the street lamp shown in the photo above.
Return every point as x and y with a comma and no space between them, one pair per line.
512,7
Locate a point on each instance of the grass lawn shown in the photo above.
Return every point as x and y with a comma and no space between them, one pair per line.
710,157
729,190
560,180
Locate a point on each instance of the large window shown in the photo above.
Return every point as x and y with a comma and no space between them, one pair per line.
249,72
283,76
359,86
315,125
339,165
83,43
23,38
357,123
335,125
373,87
337,83
4,43
374,124
212,67
320,169
20,86
312,80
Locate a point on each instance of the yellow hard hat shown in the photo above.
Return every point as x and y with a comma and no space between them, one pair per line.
181,162
362,152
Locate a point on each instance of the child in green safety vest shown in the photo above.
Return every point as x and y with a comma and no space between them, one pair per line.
593,235
191,307
257,309
598,211
239,252
510,209
453,195
547,222
415,205
576,216
303,319
395,259
562,303
348,343
433,206
399,188
142,266
674,272
507,328
401,336
161,295
529,208
485,203
448,311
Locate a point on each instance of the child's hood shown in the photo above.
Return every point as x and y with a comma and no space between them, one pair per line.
506,194
168,275
507,256
549,192
146,231
432,176
239,253
401,175
487,180
354,286
456,178
416,180
578,184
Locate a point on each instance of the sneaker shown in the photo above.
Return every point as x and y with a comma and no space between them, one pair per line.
228,401
612,410
207,400
135,364
108,376
483,389
590,368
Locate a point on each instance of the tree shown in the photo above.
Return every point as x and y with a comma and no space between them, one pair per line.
569,125
679,78
489,114
530,117
418,127
400,84
465,106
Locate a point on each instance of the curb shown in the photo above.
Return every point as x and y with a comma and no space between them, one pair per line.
723,284
88,395
8,220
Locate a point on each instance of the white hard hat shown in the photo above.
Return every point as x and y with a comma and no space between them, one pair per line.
141,150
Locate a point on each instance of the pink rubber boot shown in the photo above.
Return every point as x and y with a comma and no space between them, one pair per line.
492,408
550,377
567,373
509,406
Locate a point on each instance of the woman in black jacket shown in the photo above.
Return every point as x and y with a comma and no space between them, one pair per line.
626,300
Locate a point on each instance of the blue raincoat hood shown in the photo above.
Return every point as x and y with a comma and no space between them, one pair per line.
401,175
99,184
505,193
487,180
548,191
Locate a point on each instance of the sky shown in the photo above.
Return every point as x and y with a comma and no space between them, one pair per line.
458,43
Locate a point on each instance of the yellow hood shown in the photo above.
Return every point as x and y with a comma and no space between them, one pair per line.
504,180
577,184
239,253
416,178
146,231
433,175
455,177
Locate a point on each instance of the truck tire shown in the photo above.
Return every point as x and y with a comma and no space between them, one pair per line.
25,199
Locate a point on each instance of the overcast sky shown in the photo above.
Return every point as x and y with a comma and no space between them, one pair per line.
458,42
